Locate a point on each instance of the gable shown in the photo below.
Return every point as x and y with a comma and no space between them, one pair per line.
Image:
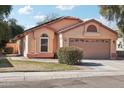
87,22
80,30
34,39
35,30
102,30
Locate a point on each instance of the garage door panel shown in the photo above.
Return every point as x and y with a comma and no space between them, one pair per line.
93,48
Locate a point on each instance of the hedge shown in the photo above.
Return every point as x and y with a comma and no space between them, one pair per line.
70,55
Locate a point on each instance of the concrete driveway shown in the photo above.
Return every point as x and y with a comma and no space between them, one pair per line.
102,65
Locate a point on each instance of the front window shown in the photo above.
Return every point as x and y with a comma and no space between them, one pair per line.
44,43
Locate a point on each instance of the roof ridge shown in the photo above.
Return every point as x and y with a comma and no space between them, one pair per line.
61,17
45,23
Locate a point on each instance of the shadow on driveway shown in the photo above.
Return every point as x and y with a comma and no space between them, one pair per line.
90,64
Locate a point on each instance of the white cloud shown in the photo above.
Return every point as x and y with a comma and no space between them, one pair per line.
40,17
65,7
25,10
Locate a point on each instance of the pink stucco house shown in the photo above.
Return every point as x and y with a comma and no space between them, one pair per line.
97,40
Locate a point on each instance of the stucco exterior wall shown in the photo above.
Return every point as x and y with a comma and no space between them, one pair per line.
34,40
80,32
24,47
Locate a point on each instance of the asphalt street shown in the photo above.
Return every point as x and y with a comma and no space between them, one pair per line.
84,82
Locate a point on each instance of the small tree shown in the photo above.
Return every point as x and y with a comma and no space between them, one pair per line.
49,17
4,27
114,13
8,28
4,34
15,28
5,11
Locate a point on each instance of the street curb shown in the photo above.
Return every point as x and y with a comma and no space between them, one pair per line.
31,76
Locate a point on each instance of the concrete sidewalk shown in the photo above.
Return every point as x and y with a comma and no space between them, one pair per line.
32,76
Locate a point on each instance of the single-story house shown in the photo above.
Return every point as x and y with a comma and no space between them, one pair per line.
97,40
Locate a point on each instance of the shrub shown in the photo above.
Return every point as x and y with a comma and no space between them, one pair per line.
70,55
55,56
8,50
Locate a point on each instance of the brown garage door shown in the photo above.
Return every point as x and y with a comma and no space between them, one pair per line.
93,49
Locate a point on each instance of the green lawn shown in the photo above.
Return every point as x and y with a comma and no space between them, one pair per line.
8,65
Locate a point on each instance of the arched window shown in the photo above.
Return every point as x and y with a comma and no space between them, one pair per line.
44,43
91,28
44,35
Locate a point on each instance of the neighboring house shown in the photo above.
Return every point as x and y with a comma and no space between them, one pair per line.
97,40
120,44
120,41
11,48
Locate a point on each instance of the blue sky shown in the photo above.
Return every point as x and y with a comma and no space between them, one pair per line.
28,16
